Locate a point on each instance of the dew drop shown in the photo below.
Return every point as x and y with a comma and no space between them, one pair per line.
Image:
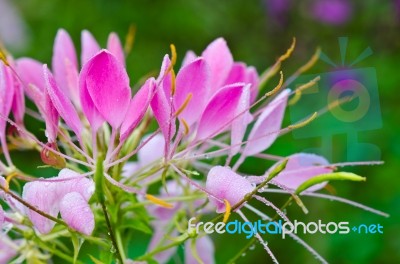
252,247
112,249
243,254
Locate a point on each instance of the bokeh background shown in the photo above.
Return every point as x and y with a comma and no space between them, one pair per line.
258,32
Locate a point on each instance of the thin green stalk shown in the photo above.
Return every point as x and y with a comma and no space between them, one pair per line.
99,176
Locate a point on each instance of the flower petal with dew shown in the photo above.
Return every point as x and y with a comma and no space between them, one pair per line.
219,111
74,183
192,79
224,183
299,168
44,197
302,167
65,65
138,107
62,103
47,196
107,84
220,60
76,213
266,129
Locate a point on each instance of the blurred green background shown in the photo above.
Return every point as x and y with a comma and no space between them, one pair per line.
258,32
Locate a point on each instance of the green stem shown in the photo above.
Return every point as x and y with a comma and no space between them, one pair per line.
99,177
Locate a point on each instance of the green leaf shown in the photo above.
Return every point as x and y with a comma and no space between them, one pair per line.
77,243
98,178
341,176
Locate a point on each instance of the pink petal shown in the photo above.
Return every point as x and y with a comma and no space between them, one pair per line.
130,168
74,183
51,117
137,108
18,105
151,151
65,65
6,95
204,248
190,56
89,46
240,123
31,72
300,168
158,235
62,103
44,197
6,252
164,78
237,73
219,58
194,79
77,213
220,111
89,109
266,129
223,183
115,47
2,216
252,77
107,83
161,102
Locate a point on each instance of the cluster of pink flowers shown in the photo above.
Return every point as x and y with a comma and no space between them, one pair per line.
103,141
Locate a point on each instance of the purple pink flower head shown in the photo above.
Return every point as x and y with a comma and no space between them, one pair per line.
157,155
